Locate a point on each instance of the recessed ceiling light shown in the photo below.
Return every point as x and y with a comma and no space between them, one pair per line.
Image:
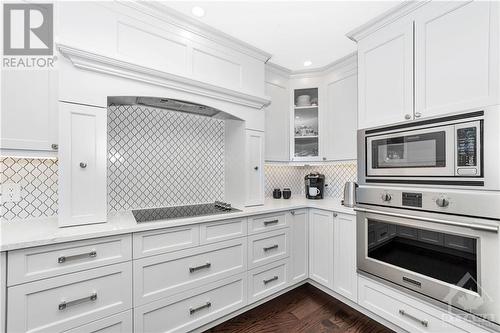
198,11
308,63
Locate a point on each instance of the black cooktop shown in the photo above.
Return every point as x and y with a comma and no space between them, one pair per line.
178,212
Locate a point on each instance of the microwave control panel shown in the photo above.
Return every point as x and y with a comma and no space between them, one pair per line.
411,199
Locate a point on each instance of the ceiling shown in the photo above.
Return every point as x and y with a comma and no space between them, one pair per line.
292,31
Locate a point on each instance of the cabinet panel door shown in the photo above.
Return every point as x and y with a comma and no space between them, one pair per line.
385,65
321,247
29,110
254,168
299,245
277,116
456,56
82,164
339,121
344,261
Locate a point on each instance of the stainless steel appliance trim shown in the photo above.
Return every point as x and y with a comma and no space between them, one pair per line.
474,226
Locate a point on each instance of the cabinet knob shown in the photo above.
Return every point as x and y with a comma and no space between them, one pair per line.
54,146
418,115
335,214
256,168
83,165
407,116
324,158
292,212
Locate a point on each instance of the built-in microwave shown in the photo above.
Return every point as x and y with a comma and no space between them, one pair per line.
450,150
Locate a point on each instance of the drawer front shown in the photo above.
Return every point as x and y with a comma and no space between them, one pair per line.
41,262
222,230
64,302
165,240
167,274
268,247
120,323
187,311
405,312
268,279
267,222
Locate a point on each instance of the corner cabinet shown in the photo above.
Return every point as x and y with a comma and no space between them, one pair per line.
254,165
321,240
82,164
305,125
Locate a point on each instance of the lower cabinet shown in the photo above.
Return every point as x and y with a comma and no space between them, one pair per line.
321,247
194,308
345,277
266,280
119,323
299,247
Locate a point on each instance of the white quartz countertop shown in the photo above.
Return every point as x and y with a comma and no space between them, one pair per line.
18,234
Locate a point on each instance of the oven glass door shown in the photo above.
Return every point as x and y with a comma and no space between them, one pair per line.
446,257
426,152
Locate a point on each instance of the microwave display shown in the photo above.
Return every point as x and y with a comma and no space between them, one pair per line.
466,147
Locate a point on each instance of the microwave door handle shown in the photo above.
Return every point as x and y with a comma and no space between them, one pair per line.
481,227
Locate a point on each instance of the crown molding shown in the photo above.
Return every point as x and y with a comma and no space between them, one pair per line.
277,69
171,16
103,64
384,19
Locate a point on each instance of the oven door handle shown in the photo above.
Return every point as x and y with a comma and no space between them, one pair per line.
482,227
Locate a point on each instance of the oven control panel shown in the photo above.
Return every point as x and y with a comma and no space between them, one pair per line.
411,199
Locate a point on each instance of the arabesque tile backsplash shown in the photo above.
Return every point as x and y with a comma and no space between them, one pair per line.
292,176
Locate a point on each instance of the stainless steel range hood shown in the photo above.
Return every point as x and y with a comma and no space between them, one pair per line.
172,105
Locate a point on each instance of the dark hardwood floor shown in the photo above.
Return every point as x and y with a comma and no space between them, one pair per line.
304,309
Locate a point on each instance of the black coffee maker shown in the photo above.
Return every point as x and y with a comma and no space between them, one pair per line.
315,185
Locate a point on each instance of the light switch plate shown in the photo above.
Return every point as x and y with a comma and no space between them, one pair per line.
11,192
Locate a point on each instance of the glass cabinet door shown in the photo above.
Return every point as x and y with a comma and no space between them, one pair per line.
305,129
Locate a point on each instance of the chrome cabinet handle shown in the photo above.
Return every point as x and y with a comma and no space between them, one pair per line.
269,248
201,307
424,323
407,116
274,278
63,259
83,165
418,115
475,226
266,223
197,268
54,146
63,305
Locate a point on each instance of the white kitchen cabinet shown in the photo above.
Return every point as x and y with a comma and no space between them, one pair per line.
277,116
339,121
306,136
345,277
299,245
456,56
254,168
29,110
321,240
82,164
120,323
385,65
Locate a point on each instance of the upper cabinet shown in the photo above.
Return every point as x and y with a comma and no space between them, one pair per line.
254,168
456,56
305,132
385,65
29,110
437,58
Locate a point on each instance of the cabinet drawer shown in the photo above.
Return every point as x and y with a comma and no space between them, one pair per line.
268,247
165,240
120,323
48,261
64,302
187,311
222,230
266,280
167,274
406,312
267,222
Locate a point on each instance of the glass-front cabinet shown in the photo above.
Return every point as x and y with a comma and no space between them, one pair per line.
305,131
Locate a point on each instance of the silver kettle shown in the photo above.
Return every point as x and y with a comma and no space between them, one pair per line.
350,194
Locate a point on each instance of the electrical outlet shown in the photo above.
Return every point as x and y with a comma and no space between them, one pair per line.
11,192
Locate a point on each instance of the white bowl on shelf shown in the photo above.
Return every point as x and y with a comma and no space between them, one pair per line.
304,100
